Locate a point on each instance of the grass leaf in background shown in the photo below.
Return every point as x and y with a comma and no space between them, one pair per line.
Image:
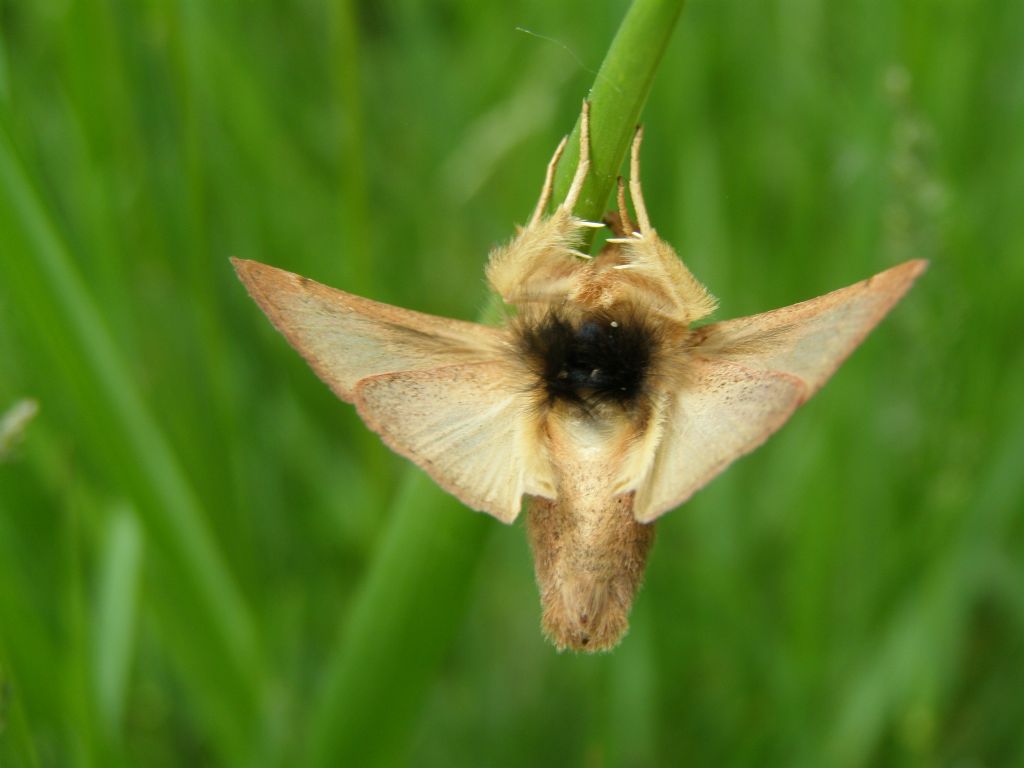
68,327
116,609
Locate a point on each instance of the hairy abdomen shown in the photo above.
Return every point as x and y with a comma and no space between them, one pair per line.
589,559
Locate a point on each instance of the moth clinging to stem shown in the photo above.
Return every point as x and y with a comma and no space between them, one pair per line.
596,399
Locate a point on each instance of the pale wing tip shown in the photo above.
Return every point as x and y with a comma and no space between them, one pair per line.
271,288
646,512
506,516
912,269
249,272
260,281
904,274
253,273
896,281
243,267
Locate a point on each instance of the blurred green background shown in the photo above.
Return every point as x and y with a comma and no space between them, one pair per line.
188,523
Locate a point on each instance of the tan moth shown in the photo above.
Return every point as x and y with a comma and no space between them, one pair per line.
596,399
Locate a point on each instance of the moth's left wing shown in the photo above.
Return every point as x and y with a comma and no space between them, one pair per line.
471,427
720,413
346,338
747,376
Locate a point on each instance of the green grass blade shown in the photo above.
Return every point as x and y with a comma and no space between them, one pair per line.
116,609
13,423
616,99
71,332
16,744
403,621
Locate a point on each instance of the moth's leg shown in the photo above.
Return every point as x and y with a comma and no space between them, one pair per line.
630,232
583,166
660,279
634,183
549,183
542,263
622,225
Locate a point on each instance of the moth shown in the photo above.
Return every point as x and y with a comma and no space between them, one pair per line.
597,399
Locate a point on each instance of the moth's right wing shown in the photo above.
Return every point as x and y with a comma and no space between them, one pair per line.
472,427
748,375
721,412
811,339
346,338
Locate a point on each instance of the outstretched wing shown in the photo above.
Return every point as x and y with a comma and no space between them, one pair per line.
748,375
811,339
346,338
722,412
469,426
